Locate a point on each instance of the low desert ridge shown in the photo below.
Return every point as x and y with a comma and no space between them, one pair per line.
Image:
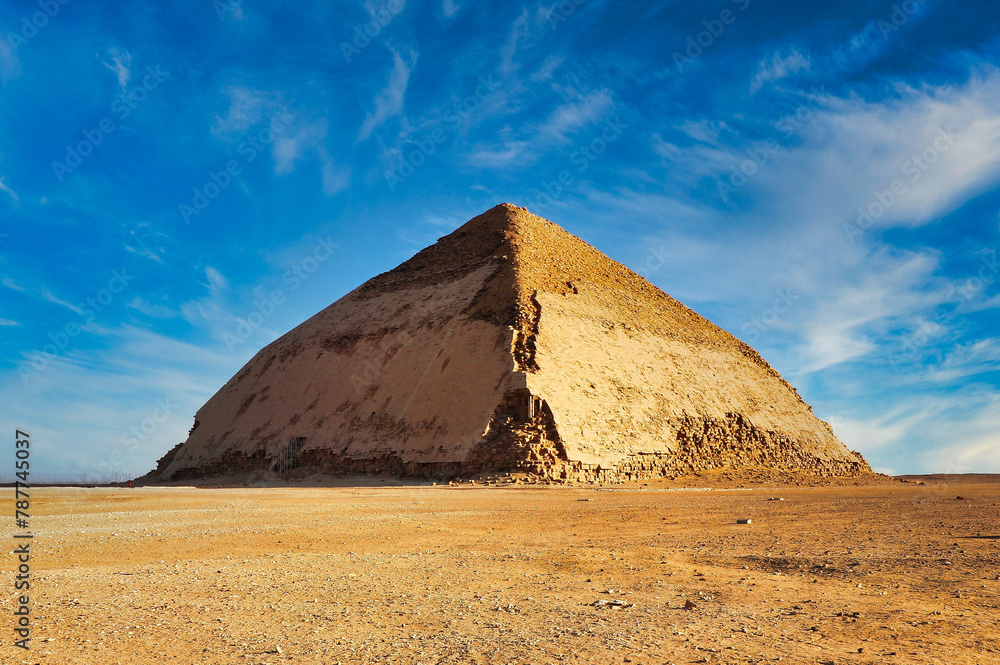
900,573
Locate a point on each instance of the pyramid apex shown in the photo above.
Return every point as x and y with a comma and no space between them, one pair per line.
511,210
504,220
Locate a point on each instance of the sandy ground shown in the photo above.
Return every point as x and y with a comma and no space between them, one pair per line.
421,574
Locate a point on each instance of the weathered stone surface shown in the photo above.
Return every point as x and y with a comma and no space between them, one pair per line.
509,345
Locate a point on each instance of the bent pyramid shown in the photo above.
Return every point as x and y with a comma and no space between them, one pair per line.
508,345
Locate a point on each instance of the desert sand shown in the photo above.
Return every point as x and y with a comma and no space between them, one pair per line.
890,573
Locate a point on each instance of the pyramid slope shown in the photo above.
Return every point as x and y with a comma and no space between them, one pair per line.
508,345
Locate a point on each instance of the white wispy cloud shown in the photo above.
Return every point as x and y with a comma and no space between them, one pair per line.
144,252
226,311
40,291
954,433
145,241
291,146
216,281
121,65
245,107
450,8
508,153
872,41
524,144
958,362
389,101
939,145
548,68
100,394
11,284
928,434
8,322
14,198
574,115
152,310
518,32
982,304
704,130
878,432
777,67
308,142
965,445
847,322
712,154
336,178
55,300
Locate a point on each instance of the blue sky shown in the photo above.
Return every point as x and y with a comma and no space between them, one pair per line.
180,184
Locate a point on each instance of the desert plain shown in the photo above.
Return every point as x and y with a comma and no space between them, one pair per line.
367,571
